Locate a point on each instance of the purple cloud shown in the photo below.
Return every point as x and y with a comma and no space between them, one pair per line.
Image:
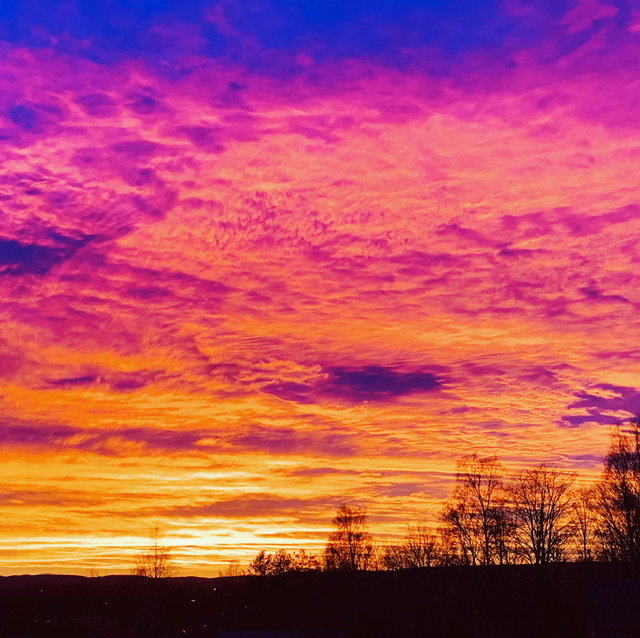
143,104
603,399
585,461
573,420
564,219
35,118
292,441
378,382
117,381
102,442
138,148
18,258
467,235
252,505
97,104
592,292
149,293
321,471
208,138
73,381
358,384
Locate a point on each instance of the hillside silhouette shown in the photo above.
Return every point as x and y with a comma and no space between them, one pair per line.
527,601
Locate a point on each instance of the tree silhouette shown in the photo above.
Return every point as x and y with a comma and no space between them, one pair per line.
583,521
476,517
350,547
156,560
617,501
282,562
261,564
233,568
303,562
542,500
420,547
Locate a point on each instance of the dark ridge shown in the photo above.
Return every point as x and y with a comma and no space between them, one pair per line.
562,600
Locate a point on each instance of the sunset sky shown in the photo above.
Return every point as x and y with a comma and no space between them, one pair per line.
262,257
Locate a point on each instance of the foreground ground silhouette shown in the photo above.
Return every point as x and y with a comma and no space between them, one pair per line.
563,600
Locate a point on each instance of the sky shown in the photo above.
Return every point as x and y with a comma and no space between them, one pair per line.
259,258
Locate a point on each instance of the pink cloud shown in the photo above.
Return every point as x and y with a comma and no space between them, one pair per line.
587,12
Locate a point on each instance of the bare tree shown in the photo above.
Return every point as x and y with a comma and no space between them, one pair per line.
504,527
477,516
393,558
156,560
233,568
420,547
583,521
618,497
461,528
541,500
449,548
350,547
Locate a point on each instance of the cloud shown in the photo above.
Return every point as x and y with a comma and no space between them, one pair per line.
54,498
17,258
578,224
106,442
400,489
114,380
135,441
321,471
591,462
252,506
97,104
34,118
319,442
94,213
73,381
358,384
378,382
143,104
573,420
149,293
586,12
137,149
604,403
467,235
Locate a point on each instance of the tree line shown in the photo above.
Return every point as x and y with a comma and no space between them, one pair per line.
538,516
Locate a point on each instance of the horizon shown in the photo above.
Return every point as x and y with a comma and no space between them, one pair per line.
261,258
